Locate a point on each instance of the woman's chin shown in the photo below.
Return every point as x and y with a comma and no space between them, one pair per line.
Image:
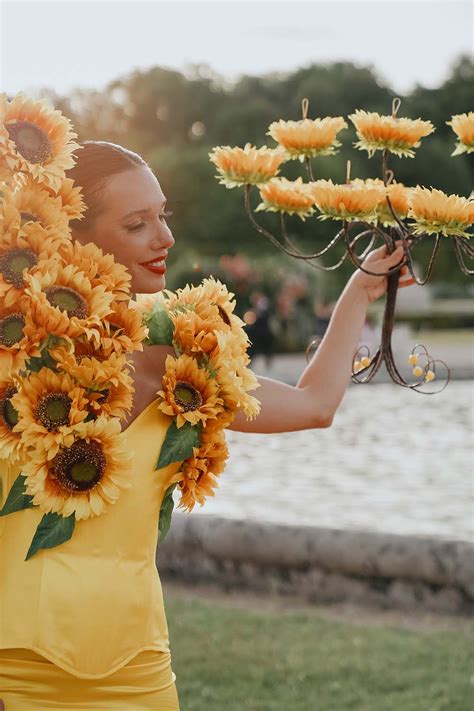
151,285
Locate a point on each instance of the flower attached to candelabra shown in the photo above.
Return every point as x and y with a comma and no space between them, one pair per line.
373,209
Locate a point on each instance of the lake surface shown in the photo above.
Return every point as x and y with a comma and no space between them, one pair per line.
392,461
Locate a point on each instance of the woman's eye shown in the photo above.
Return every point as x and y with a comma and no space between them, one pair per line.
134,228
168,213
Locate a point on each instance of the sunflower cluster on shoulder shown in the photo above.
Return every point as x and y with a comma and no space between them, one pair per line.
205,383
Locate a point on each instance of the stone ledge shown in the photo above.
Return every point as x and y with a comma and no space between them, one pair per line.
321,564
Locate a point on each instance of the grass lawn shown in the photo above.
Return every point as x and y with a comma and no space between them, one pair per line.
229,658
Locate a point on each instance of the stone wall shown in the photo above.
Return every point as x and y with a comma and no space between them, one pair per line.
321,565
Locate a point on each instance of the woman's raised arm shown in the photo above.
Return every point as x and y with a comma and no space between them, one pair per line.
313,402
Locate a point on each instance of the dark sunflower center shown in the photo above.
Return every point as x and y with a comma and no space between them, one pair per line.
7,412
11,329
79,467
53,410
28,217
104,396
13,262
68,300
224,315
30,140
188,397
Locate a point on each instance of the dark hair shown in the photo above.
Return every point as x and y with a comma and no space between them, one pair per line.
95,162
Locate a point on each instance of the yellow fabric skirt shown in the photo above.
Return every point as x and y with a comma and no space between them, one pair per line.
30,682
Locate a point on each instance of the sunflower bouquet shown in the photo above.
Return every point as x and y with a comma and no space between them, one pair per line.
204,385
65,332
67,326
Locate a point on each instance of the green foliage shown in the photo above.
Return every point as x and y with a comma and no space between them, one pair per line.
166,510
178,444
17,499
160,326
52,530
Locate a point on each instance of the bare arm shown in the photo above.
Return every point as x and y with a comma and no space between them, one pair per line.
312,403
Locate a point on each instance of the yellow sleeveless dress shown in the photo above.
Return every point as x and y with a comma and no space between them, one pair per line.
87,618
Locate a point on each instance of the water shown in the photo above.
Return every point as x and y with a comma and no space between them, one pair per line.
392,461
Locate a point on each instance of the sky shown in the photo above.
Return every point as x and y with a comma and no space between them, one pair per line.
69,44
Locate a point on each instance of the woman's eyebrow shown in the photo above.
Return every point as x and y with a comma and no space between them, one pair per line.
143,210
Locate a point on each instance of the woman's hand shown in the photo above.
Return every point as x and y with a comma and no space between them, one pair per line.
379,260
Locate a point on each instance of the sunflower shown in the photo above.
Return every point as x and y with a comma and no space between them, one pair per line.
11,444
197,478
189,393
107,382
346,202
28,206
246,166
71,198
19,251
397,193
195,331
99,268
198,312
35,139
49,406
235,378
308,137
463,127
84,477
123,330
435,212
19,341
291,196
397,135
64,302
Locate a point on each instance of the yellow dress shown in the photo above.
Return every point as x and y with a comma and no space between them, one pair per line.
87,618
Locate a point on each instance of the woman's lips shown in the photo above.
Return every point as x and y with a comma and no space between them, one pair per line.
154,267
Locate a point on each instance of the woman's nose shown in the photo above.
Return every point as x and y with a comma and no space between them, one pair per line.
163,237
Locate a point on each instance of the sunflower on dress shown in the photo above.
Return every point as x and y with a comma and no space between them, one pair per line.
71,198
100,268
64,302
19,339
11,444
85,475
189,393
35,140
198,476
49,405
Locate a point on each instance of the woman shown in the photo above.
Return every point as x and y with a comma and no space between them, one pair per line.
83,626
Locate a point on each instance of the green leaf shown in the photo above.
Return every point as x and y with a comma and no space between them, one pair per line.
178,444
17,500
166,510
52,530
160,327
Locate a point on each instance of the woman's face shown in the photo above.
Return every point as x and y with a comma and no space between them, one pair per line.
132,227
